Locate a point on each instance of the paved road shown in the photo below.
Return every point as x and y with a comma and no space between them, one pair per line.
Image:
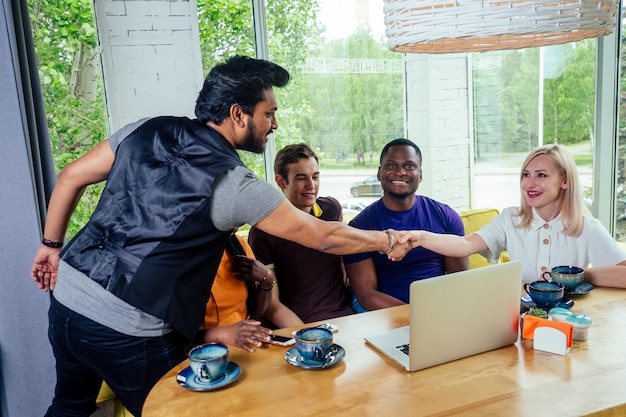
496,183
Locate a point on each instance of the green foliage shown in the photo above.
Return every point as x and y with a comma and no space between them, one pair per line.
346,111
569,99
364,115
519,104
349,164
583,160
293,31
506,97
505,101
226,29
335,112
66,45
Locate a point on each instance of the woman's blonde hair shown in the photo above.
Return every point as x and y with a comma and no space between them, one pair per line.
573,207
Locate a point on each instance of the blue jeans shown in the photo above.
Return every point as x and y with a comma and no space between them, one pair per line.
87,353
356,306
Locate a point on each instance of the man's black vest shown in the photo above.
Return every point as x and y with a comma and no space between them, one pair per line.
151,241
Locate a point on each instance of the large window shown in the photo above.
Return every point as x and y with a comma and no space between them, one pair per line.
526,98
349,94
69,69
346,99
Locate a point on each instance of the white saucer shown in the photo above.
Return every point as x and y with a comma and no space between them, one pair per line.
187,379
293,357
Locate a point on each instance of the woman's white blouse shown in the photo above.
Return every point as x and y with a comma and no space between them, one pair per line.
544,245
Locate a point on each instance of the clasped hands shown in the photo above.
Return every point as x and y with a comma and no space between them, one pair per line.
245,334
405,240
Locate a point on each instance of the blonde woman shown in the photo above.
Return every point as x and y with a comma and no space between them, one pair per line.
551,228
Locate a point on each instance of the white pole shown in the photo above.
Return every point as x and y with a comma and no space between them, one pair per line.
540,101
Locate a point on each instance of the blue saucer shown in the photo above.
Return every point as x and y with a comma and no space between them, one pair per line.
293,357
581,289
565,302
187,379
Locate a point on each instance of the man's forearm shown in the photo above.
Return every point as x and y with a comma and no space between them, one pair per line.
375,300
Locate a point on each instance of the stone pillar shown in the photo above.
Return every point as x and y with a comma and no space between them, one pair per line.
151,58
438,119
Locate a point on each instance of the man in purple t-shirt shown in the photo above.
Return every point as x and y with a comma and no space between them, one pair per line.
376,282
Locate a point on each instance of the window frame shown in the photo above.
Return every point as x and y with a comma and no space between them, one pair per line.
606,127
606,116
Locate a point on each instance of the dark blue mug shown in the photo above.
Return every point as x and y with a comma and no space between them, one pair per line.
314,344
545,293
209,362
570,276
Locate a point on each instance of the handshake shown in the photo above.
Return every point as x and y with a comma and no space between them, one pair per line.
401,242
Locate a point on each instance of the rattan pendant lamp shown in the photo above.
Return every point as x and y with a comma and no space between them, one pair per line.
446,26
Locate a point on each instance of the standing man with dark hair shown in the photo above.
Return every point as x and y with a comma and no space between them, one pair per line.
130,289
312,285
376,282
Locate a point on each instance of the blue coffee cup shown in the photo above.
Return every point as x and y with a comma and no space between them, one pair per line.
569,276
545,293
209,362
314,344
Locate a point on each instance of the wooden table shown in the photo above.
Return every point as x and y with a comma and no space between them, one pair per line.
511,381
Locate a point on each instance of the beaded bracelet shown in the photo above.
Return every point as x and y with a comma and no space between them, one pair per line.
51,243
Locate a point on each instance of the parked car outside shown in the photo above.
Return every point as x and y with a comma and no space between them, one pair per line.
351,208
354,205
368,187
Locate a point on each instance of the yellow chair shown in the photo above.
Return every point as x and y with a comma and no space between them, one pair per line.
474,220
107,395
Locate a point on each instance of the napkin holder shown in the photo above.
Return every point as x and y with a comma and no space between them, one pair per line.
549,339
548,336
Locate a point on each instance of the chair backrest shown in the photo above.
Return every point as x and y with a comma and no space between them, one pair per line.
474,220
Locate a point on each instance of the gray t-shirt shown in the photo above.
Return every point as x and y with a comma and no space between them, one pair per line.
230,206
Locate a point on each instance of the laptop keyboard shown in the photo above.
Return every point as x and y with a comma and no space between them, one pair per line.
404,349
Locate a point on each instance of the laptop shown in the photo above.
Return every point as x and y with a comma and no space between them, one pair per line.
456,315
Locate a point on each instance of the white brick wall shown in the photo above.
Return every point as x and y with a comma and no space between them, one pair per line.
151,58
437,94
